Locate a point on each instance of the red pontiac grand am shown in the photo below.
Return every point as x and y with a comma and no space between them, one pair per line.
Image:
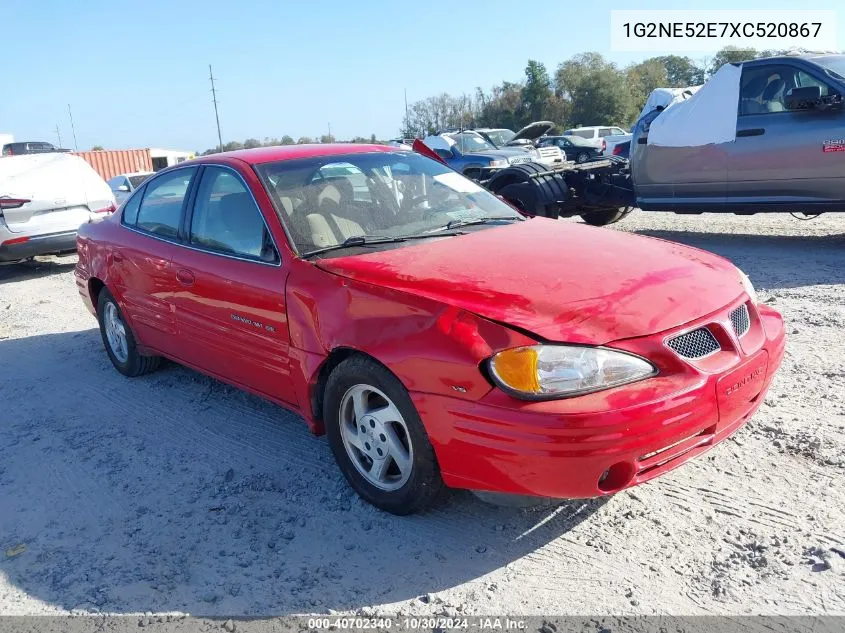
437,336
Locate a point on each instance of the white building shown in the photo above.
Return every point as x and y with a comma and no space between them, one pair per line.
166,157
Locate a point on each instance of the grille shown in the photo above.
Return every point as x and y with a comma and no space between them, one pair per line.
740,320
696,344
516,160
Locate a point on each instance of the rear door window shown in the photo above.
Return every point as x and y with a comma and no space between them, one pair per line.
605,131
161,207
581,133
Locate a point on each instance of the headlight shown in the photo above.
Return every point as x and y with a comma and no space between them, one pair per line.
498,163
558,371
748,287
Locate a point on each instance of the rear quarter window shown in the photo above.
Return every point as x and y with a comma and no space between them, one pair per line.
581,133
130,209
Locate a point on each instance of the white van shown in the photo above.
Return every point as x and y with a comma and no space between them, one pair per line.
44,198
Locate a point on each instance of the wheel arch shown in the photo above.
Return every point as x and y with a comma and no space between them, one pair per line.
335,357
95,287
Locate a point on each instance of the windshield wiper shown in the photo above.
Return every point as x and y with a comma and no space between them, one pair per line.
352,242
453,224
363,240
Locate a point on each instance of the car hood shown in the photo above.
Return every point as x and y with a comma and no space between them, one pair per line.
506,152
561,281
533,131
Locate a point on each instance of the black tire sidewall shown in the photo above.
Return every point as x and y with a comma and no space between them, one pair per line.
132,366
425,483
606,216
582,157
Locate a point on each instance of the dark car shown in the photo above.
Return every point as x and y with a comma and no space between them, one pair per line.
30,147
575,147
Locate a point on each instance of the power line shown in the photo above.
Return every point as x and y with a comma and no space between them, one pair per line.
73,129
216,116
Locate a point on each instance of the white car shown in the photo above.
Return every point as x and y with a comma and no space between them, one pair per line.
124,184
604,137
44,198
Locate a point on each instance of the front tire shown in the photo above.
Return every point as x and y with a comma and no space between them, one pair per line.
378,439
119,339
582,157
606,216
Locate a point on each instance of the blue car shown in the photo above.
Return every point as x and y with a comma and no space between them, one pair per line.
470,153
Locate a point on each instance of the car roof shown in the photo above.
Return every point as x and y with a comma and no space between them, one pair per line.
259,155
809,57
134,173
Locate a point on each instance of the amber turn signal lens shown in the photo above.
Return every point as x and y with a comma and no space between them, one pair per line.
517,368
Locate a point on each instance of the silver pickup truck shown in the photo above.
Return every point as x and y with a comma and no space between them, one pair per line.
785,151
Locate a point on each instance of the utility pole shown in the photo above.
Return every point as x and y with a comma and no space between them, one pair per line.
405,132
330,131
59,134
216,116
73,129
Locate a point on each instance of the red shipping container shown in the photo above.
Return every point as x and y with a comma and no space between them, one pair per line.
110,163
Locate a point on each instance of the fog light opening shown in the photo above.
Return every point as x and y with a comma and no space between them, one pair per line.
616,477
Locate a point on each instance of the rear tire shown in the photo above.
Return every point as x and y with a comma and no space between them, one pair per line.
606,216
119,339
369,417
582,157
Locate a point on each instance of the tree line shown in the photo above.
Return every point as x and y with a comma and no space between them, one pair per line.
251,143
586,89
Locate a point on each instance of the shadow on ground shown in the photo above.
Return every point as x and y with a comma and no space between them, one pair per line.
174,492
772,261
34,268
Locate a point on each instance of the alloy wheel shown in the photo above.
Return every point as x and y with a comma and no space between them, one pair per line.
116,333
376,437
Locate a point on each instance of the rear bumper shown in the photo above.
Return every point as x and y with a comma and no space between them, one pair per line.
49,244
572,449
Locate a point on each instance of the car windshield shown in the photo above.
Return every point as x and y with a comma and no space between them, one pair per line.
137,180
471,143
327,200
500,137
833,63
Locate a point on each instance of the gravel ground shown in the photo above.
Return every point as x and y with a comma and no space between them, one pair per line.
176,493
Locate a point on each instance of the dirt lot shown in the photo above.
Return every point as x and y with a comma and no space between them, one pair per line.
174,492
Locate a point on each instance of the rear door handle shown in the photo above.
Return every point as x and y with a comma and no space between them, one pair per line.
185,277
754,131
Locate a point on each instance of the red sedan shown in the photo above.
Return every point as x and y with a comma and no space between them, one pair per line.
435,335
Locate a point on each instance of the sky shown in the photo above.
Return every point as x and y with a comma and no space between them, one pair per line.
136,75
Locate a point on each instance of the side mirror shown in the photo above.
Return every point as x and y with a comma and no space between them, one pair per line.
804,98
123,188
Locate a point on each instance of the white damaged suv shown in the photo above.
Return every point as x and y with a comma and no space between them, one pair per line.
44,198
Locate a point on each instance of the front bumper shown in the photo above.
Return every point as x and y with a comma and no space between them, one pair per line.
49,244
602,443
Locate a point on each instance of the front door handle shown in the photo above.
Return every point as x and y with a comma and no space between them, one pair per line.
754,131
185,277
